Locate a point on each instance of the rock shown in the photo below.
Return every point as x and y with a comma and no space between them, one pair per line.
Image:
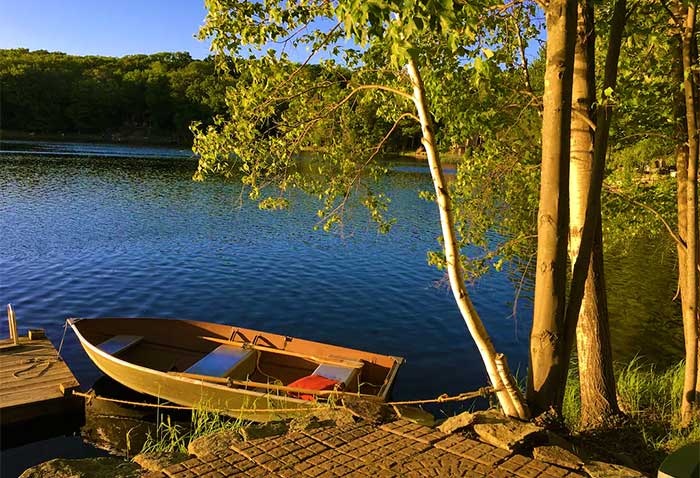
550,419
599,469
457,422
561,442
214,443
106,467
264,430
556,455
158,461
489,416
369,410
322,418
415,415
117,435
505,432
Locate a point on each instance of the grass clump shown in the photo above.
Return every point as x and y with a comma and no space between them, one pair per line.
651,400
170,437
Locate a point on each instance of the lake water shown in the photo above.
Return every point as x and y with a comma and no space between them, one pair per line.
85,235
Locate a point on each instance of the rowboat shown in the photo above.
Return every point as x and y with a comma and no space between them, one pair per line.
240,372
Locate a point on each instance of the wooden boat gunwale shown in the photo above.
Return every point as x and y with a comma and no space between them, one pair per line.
140,368
391,362
391,376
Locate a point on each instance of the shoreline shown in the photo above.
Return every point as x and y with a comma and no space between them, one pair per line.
103,138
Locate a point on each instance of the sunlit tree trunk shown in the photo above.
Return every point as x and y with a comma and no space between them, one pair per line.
693,243
546,338
508,395
597,380
682,201
593,207
691,385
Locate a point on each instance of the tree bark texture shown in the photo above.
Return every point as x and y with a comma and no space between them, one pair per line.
691,383
546,338
596,376
592,217
509,401
682,202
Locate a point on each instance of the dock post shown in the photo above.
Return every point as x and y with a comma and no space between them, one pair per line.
12,322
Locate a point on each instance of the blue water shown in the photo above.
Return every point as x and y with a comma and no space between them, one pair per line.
48,148
100,230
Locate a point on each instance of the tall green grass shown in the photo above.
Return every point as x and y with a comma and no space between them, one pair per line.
171,437
651,399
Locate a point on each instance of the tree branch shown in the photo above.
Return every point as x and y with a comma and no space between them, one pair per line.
523,58
656,213
386,136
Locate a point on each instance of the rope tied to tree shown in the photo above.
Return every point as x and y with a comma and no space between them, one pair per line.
483,392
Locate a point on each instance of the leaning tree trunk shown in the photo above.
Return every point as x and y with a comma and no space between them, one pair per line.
506,390
596,377
689,401
592,220
546,338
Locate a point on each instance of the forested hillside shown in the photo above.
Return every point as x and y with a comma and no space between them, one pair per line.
134,97
151,98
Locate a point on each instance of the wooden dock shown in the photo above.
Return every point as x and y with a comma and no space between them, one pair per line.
34,382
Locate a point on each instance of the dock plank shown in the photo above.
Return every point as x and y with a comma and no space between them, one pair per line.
38,388
30,376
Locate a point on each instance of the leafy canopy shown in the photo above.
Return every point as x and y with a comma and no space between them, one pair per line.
358,96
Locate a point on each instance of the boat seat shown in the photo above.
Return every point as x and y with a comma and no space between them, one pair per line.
225,361
341,374
119,343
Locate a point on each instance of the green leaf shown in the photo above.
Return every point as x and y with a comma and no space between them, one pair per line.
487,53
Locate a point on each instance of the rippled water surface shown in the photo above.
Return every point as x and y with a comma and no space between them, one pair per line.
83,235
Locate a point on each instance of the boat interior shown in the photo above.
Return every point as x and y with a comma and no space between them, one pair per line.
205,350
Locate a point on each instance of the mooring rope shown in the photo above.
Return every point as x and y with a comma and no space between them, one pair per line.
35,362
60,346
482,392
182,407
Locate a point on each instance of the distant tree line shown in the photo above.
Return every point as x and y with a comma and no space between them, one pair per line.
151,98
136,96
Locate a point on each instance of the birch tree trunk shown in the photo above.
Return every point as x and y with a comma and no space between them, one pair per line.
596,376
506,391
546,338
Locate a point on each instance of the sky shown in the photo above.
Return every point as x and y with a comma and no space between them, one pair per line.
103,27
112,27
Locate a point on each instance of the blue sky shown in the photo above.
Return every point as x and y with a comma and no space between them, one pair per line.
112,27
103,27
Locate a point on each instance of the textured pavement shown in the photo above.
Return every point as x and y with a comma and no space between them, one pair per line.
397,449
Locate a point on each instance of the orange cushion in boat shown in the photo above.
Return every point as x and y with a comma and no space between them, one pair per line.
313,382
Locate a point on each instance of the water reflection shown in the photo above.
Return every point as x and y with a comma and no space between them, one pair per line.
134,236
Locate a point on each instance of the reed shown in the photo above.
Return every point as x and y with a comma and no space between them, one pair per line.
651,400
171,437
